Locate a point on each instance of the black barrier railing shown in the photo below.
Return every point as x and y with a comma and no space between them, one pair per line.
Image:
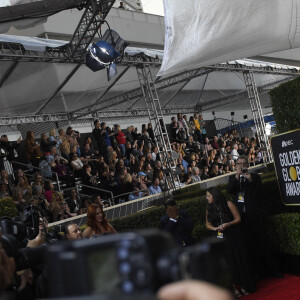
29,168
110,199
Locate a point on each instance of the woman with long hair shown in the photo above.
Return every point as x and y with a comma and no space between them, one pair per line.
96,221
23,187
33,150
223,218
7,181
55,205
46,144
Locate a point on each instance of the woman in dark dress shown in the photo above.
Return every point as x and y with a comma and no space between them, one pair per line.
223,217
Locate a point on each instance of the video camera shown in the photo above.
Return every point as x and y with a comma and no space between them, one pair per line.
131,264
13,242
243,174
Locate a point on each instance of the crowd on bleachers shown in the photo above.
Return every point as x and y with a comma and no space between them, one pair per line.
121,161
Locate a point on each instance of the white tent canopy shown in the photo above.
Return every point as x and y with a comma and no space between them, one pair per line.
32,83
204,32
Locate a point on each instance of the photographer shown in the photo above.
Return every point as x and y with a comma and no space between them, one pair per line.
145,139
248,194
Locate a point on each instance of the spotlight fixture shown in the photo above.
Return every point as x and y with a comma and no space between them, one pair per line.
213,112
245,117
232,113
106,53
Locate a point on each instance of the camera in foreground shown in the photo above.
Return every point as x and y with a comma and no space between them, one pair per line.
131,264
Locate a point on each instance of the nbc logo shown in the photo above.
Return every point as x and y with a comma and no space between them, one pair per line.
286,143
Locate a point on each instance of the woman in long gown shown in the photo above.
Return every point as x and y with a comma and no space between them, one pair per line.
223,217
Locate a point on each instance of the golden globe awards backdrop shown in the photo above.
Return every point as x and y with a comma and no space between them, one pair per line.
286,152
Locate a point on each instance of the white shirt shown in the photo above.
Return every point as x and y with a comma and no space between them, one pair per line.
234,154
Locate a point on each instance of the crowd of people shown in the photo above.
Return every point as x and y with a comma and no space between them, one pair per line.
128,164
124,162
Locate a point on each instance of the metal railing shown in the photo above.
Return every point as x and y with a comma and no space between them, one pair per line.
138,205
30,167
224,125
110,199
125,194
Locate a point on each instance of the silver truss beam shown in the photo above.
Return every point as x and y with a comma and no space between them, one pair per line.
137,93
241,95
258,116
202,90
16,52
176,93
109,114
26,119
255,69
91,21
164,83
156,119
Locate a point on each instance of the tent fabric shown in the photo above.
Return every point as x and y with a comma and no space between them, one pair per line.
39,44
204,32
30,84
32,43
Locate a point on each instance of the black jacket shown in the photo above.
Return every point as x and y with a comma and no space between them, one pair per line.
253,195
181,230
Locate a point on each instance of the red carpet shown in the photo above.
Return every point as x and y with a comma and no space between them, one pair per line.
287,288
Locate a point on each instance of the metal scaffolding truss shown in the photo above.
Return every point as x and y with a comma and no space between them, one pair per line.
93,16
156,119
90,23
137,93
17,52
109,114
27,119
240,95
95,109
258,116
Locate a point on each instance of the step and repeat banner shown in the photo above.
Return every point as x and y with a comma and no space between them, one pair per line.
286,152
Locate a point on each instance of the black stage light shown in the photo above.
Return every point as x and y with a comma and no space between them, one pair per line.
106,53
232,113
245,117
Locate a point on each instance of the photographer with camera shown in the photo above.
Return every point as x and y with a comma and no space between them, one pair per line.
247,190
223,218
24,254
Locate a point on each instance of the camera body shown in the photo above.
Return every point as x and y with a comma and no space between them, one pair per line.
15,228
14,234
130,264
243,174
244,170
